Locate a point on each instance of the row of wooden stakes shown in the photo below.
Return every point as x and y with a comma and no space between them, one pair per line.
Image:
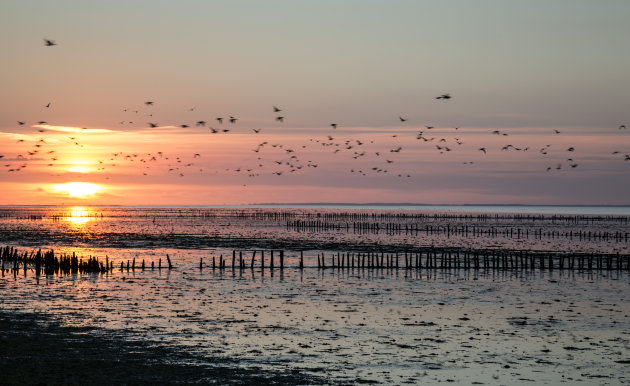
434,258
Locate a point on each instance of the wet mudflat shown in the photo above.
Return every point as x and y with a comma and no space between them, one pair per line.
311,325
36,349
372,326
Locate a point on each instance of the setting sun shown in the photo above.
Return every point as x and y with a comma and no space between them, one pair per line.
78,189
80,169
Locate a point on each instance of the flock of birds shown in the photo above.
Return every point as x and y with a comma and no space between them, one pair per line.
285,159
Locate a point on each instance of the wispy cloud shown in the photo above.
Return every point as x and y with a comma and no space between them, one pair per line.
70,129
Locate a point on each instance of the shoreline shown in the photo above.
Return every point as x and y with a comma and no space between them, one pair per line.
34,349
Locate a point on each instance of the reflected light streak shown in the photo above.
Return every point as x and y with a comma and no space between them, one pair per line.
78,215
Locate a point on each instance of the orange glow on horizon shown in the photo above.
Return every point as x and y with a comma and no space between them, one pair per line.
78,189
80,169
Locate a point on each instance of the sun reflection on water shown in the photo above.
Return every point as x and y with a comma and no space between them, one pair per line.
79,215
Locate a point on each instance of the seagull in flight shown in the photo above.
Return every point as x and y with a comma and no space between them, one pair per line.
444,96
49,42
483,149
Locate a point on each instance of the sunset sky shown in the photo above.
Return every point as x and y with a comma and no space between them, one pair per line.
542,86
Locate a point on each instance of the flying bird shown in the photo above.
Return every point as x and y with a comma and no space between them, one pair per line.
232,119
444,96
219,119
483,149
280,119
153,124
402,119
149,103
333,125
276,110
622,127
20,123
48,105
49,42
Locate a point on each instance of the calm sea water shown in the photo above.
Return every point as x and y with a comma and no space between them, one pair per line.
351,325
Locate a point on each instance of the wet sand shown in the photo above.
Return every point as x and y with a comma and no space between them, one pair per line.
330,326
36,350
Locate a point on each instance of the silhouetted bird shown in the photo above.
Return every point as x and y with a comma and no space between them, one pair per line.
483,149
219,119
571,149
402,119
333,125
48,105
232,119
556,131
443,96
256,130
49,42
20,123
276,110
622,127
201,123
280,119
149,103
153,124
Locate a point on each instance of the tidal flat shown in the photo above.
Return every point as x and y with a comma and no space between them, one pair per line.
312,325
348,327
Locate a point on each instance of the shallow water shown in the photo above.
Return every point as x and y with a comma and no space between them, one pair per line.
351,325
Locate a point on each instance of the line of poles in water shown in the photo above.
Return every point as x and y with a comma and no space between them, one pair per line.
49,262
454,230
